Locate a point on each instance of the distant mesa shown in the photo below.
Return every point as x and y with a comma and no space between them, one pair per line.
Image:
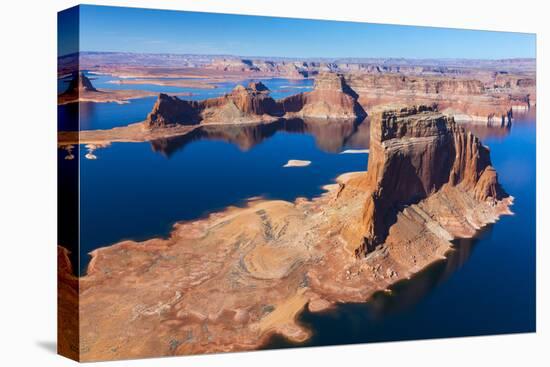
288,69
330,98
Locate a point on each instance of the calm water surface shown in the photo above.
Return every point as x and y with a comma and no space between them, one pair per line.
138,190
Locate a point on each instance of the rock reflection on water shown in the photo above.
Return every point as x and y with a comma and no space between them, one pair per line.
330,135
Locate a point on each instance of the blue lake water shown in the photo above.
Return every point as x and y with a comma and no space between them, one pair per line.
138,190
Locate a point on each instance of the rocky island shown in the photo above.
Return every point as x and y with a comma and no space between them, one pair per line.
248,272
331,99
81,89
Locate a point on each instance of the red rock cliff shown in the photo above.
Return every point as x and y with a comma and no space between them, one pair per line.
331,98
170,110
414,152
240,105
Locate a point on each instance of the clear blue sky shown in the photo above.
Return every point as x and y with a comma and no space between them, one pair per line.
162,31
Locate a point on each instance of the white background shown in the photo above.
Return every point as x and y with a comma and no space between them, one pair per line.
28,182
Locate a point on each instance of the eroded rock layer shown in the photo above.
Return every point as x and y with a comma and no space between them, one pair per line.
331,98
487,99
414,152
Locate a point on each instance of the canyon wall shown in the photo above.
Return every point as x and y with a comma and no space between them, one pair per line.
170,110
484,98
412,84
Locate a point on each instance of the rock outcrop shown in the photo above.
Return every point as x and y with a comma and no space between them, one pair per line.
80,82
331,98
416,84
250,103
415,152
81,89
243,104
288,69
170,110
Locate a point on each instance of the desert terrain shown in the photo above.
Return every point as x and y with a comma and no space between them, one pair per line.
231,280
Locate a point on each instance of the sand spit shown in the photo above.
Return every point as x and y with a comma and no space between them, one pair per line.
355,151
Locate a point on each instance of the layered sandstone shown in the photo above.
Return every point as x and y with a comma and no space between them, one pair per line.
170,110
231,280
414,84
288,69
243,104
414,153
331,98
479,99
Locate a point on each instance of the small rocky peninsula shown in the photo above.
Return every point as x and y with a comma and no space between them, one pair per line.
331,99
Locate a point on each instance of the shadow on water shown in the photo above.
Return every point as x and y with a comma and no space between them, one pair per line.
384,316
